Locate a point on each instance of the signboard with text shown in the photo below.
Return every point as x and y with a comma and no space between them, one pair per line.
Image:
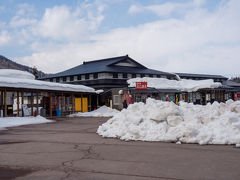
141,85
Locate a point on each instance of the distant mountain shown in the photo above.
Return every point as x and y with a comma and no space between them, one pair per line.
6,63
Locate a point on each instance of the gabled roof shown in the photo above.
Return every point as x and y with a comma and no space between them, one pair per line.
107,65
232,83
190,75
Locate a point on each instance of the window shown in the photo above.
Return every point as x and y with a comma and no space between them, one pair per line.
57,79
115,75
133,75
71,78
124,75
142,75
150,75
95,75
87,76
68,79
83,77
158,76
115,100
64,79
51,80
79,77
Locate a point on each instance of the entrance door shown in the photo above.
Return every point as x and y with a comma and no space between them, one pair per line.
78,105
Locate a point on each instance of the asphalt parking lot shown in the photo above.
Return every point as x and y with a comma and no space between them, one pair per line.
71,149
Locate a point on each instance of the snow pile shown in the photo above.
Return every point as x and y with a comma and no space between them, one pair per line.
103,111
217,123
12,73
21,79
19,121
182,85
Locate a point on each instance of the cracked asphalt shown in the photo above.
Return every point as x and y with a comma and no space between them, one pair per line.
71,149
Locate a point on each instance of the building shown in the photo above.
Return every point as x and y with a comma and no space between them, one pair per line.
216,78
111,75
22,95
106,73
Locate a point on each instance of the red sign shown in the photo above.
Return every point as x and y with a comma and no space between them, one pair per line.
238,95
141,85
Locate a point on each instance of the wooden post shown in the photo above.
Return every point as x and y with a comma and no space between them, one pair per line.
81,102
50,104
90,102
62,107
22,94
73,107
31,103
37,102
66,104
97,102
2,101
17,104
5,102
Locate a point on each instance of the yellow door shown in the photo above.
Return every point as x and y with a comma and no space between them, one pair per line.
85,105
78,106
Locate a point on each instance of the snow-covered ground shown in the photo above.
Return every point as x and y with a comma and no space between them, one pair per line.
217,123
19,121
181,84
103,111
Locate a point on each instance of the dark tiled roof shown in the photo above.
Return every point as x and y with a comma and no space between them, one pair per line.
232,83
106,65
201,76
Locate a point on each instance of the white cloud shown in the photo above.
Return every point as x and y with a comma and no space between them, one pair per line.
18,21
135,9
64,23
5,38
166,9
202,42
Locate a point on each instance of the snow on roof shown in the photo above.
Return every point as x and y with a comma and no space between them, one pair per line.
25,80
182,85
12,73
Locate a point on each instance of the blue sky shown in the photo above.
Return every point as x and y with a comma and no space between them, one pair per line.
195,36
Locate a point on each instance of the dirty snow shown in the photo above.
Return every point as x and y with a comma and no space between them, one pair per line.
19,121
103,111
182,84
217,123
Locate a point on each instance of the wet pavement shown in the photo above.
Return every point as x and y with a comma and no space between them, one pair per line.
71,149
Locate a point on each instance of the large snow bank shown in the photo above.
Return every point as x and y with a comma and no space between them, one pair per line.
182,85
23,80
103,111
217,123
12,73
19,121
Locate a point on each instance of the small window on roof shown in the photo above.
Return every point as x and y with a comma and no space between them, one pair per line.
95,75
79,77
133,75
57,79
87,76
115,75
71,78
51,80
150,75
64,79
124,75
142,75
